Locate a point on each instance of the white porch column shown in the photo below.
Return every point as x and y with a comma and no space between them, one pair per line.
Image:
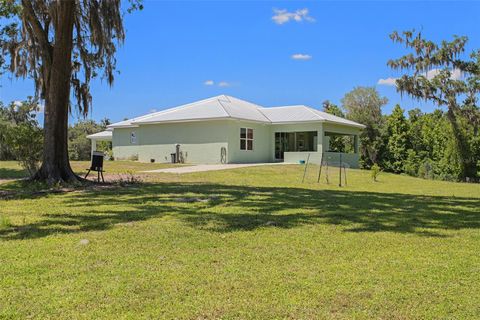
94,146
320,135
326,143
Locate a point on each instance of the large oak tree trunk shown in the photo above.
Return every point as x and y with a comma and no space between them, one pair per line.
55,166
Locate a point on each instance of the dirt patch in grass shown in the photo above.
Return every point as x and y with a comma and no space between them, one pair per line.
2,181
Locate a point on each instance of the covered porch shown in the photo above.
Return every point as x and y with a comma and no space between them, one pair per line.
100,136
332,143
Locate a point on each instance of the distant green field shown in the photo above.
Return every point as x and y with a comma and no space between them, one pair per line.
249,243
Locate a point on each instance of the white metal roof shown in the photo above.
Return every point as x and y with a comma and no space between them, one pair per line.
227,107
103,135
301,113
218,107
129,122
290,114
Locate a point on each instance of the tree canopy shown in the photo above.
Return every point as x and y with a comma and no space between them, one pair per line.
421,144
364,105
79,147
20,135
441,74
62,46
30,38
397,142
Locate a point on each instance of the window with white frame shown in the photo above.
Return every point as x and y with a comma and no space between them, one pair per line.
133,137
246,139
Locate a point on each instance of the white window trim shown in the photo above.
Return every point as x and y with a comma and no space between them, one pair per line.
133,137
246,138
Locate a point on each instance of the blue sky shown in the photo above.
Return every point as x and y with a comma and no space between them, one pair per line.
173,49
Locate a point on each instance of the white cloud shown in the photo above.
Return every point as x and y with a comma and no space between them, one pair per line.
17,104
40,106
387,82
456,74
282,16
153,110
223,84
431,74
301,56
219,83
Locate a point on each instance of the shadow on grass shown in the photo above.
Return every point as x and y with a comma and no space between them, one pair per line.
222,208
7,173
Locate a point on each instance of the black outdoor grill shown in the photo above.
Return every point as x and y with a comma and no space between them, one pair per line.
97,165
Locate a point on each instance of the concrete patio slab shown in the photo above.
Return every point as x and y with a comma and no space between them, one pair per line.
210,167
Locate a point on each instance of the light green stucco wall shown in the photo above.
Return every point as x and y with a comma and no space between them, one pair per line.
122,149
201,141
262,144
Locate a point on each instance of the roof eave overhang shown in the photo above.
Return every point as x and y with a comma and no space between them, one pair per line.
137,124
297,122
353,125
100,138
358,126
112,126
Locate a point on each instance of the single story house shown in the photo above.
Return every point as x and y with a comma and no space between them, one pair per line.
224,129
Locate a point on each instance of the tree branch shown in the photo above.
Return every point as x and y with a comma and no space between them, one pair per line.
39,33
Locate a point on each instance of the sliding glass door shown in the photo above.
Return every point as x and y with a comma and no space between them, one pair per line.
294,142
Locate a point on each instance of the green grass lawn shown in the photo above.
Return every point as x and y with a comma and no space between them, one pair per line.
245,243
11,170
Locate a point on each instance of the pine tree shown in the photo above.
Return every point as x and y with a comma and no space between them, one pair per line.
397,140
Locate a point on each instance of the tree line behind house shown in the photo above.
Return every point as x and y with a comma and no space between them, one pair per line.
416,143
